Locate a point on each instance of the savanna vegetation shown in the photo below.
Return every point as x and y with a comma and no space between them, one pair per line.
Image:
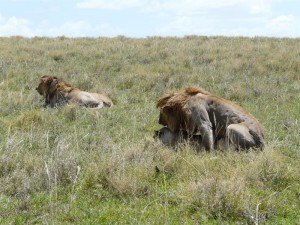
74,165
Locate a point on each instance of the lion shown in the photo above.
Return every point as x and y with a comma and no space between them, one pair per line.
199,112
166,137
57,92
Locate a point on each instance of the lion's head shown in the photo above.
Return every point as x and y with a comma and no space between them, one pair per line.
173,110
168,138
47,85
165,136
50,87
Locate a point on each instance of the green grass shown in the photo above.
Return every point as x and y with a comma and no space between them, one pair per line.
80,166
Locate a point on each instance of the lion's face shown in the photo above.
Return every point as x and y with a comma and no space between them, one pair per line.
168,118
44,86
162,120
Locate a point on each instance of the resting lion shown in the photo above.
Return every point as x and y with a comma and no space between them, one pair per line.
57,92
197,111
166,137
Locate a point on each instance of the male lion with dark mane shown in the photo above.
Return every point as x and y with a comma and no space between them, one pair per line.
57,92
198,112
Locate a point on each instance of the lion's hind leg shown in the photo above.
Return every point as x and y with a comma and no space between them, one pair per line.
239,135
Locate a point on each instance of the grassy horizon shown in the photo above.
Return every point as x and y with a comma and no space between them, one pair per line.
73,165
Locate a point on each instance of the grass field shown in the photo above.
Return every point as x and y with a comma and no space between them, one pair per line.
80,166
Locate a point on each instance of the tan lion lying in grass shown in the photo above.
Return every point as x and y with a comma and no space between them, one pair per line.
166,137
57,92
198,112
